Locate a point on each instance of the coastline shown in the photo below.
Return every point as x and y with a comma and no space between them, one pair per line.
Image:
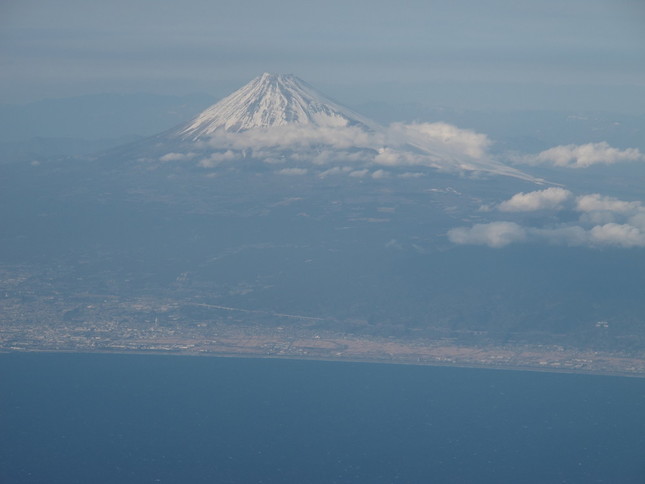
352,349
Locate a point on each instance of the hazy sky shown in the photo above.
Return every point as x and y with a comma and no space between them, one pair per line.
365,48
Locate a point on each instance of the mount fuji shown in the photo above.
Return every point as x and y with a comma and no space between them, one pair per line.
268,101
278,119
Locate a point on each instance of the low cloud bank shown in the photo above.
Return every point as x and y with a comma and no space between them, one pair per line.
603,222
293,171
431,136
582,156
177,156
437,145
427,138
550,198
296,136
494,234
596,202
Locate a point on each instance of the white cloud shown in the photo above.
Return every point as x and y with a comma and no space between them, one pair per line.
296,136
394,244
336,170
395,157
494,234
638,220
215,159
379,174
437,145
597,218
583,156
177,157
436,135
411,174
597,202
359,173
620,235
500,234
605,222
293,171
550,198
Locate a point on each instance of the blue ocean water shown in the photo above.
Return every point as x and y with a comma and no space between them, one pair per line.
98,418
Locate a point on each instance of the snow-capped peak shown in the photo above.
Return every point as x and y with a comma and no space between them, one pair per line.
272,100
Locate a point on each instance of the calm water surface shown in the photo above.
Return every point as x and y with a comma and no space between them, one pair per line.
72,418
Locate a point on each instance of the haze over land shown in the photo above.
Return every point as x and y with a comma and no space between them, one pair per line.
278,222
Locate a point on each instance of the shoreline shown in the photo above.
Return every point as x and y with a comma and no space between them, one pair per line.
307,342
354,359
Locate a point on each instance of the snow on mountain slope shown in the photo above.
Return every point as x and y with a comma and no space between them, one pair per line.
272,100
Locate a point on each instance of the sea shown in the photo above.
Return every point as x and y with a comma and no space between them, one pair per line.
127,418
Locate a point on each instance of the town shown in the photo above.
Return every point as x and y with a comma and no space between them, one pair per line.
156,325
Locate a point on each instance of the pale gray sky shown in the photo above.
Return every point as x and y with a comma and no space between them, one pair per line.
468,51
